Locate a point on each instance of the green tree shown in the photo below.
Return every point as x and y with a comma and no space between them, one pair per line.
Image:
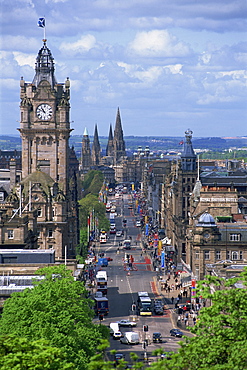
91,204
56,309
22,354
93,182
220,341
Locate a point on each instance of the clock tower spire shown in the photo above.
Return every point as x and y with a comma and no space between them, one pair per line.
45,122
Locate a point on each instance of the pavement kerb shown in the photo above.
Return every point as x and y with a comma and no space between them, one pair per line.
173,315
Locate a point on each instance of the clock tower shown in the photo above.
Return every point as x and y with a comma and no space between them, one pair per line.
45,122
45,131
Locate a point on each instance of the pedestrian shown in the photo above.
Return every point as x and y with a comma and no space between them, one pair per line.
185,321
172,299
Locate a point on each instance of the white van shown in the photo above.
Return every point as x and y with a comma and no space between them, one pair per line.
130,337
114,330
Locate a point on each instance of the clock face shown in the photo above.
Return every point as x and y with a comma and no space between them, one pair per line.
44,111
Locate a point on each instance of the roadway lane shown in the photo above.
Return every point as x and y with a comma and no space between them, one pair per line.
123,288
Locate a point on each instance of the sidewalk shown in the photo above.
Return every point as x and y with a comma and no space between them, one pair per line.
185,320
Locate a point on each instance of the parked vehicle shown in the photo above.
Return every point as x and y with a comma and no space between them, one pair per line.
126,323
157,338
138,223
176,333
130,337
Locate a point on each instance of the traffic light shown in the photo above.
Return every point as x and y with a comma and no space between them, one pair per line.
145,327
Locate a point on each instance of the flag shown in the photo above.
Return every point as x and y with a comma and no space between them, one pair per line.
41,22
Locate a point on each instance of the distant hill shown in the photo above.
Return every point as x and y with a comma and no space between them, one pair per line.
155,143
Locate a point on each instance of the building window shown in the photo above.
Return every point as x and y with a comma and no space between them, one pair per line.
218,255
227,255
206,255
235,237
10,234
38,233
39,212
50,246
240,255
197,255
1,196
50,233
234,255
57,177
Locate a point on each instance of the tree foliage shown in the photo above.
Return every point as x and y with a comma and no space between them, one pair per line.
22,354
220,341
91,203
93,182
56,309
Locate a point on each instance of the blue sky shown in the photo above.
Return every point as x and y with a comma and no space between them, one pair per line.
168,65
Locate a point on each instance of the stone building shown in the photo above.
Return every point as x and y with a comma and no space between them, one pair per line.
210,243
47,186
176,193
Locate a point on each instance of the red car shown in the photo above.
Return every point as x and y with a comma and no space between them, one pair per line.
109,259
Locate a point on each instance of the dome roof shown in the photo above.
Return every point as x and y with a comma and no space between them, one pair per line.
206,220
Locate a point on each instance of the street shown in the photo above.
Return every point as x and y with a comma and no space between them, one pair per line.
123,287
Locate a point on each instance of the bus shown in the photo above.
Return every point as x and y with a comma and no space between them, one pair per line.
144,304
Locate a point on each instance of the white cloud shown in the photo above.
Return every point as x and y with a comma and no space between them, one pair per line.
20,43
24,59
81,46
157,43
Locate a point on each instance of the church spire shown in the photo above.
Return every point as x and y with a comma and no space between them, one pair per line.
85,152
44,67
110,147
96,148
118,140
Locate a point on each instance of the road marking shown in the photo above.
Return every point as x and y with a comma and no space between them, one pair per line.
128,282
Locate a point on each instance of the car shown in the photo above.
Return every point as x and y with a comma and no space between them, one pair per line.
127,323
176,333
158,302
118,357
119,233
109,259
157,338
158,310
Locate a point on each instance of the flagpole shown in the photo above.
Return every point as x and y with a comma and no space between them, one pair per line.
44,32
